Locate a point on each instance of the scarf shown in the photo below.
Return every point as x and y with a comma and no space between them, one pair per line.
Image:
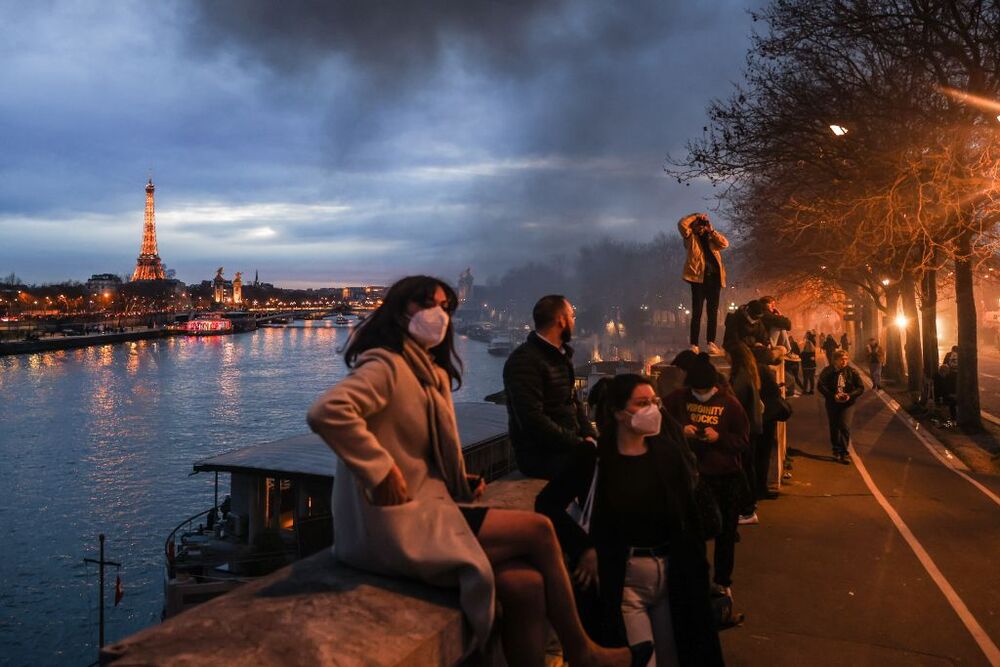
443,428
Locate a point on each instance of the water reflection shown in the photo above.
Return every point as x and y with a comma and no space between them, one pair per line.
102,439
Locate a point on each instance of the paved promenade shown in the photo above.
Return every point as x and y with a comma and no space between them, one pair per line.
890,561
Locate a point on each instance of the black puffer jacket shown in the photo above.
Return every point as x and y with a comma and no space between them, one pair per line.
546,421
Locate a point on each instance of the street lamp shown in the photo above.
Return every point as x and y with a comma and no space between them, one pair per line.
838,130
901,321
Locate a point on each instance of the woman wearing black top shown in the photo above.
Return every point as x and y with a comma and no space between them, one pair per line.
643,551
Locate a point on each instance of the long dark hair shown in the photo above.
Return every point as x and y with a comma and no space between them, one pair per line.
609,396
386,326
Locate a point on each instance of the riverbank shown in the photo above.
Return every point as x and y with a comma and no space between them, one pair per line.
62,342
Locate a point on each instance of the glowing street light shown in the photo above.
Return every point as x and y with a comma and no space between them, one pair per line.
901,321
838,130
885,282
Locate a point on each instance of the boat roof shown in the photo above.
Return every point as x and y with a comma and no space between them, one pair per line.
306,455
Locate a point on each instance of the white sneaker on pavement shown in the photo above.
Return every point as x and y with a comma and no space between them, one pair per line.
749,520
715,351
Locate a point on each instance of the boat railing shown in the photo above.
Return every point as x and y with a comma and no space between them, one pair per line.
169,546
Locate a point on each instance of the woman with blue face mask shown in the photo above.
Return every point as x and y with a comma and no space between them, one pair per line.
400,476
642,547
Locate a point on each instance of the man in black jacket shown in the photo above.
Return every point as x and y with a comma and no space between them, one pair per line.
546,421
841,386
746,325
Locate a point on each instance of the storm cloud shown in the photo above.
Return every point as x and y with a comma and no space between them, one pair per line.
352,141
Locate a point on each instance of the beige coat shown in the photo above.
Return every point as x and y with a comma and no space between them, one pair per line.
374,417
694,266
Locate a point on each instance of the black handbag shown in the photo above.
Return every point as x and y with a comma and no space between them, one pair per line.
777,409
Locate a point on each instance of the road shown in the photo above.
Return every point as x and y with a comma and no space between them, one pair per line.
889,561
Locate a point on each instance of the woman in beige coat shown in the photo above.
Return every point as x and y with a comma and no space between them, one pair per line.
391,423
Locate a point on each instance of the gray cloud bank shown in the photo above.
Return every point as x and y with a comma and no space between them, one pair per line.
331,141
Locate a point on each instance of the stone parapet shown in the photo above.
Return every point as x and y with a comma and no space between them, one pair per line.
320,612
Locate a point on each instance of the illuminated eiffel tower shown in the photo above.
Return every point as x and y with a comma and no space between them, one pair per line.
148,265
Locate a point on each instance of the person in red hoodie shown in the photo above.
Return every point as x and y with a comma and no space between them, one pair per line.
718,432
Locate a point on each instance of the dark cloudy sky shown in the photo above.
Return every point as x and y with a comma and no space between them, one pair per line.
330,142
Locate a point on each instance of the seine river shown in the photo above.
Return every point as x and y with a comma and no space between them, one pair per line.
102,439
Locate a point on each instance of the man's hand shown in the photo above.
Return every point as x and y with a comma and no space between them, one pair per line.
585,573
711,435
840,397
690,431
392,490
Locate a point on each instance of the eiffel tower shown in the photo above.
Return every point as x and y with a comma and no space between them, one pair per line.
148,265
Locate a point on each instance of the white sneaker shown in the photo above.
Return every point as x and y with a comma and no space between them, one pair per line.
749,520
694,348
715,351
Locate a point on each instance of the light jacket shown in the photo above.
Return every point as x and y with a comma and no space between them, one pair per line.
376,416
694,265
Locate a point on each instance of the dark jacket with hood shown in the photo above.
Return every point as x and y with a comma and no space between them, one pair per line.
546,421
740,327
687,577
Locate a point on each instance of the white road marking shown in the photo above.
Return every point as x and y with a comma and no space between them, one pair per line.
933,445
986,644
987,375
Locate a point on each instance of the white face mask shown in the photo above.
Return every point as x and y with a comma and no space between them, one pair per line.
429,326
647,420
703,396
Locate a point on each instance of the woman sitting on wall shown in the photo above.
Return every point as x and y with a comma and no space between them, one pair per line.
400,473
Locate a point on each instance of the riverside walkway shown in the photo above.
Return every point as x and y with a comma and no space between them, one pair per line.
889,561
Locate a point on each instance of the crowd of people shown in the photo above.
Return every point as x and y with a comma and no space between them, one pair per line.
613,561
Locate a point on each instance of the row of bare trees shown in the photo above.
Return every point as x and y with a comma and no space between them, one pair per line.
862,149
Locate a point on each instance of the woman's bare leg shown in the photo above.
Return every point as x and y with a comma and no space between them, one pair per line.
508,535
521,591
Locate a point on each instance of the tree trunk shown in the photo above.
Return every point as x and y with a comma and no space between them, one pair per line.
928,330
914,360
869,319
893,344
969,417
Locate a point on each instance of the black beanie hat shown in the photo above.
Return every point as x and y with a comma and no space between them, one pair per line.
755,309
702,374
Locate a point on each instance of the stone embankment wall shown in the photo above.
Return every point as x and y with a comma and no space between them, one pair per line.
320,612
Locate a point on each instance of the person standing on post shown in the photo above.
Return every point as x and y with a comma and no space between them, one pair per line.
841,386
704,271
547,423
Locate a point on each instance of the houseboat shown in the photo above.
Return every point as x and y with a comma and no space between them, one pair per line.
279,507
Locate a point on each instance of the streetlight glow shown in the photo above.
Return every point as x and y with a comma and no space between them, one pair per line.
838,130
885,281
901,321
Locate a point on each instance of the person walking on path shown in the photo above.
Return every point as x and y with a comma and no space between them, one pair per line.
703,270
547,422
644,550
808,356
717,431
845,342
841,386
829,346
401,474
874,353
